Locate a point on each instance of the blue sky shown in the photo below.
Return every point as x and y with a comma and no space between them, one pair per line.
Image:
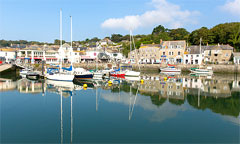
38,20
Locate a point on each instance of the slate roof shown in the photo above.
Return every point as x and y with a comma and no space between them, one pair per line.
236,54
196,49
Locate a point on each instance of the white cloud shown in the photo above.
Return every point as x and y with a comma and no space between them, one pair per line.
164,13
232,7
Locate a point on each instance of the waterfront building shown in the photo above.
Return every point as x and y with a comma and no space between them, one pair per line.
236,57
37,55
171,52
192,55
147,53
217,54
7,54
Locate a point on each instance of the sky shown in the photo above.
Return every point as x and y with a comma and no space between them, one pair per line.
38,20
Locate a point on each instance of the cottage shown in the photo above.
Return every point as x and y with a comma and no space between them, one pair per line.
218,54
236,58
193,55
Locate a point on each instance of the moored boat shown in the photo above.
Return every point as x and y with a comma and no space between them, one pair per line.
202,71
33,76
170,69
82,74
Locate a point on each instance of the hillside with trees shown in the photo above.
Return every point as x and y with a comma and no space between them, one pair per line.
227,33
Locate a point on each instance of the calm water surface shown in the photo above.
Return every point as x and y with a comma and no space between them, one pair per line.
179,109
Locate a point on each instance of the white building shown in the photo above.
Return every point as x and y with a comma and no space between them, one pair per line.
116,56
8,55
236,58
193,56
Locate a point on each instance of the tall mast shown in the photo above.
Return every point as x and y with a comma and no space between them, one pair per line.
60,49
130,33
60,28
71,49
71,30
200,45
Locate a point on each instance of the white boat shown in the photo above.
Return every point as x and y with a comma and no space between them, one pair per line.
61,77
202,71
24,72
130,73
82,74
65,74
170,69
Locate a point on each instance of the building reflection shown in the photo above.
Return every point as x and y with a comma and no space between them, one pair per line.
7,84
220,94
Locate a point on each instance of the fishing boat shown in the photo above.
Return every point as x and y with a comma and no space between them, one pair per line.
117,73
202,71
82,74
33,75
170,69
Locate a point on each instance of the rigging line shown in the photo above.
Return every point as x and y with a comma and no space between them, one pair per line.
134,102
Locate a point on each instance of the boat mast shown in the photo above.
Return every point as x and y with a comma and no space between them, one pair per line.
60,49
130,32
71,49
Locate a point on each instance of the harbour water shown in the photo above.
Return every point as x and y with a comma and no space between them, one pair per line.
162,109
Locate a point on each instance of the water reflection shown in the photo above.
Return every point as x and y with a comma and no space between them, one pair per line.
219,94
160,99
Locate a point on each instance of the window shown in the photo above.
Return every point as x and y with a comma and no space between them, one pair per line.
169,53
172,53
226,54
163,53
179,53
186,55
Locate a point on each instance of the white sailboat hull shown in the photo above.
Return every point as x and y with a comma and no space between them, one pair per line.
132,73
202,71
61,77
171,70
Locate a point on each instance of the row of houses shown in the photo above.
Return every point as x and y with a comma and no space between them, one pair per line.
53,55
177,52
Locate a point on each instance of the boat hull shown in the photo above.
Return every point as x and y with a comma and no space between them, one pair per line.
117,75
132,74
33,77
61,77
83,76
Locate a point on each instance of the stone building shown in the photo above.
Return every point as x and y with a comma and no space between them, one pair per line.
217,54
172,51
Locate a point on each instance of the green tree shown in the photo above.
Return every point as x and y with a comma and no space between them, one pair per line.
158,29
203,33
179,34
116,38
57,42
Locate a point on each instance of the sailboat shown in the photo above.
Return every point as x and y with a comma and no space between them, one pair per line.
65,74
127,72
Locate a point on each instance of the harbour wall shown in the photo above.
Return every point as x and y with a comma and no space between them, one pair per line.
222,69
230,69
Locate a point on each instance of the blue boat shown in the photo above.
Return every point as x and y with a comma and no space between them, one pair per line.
83,76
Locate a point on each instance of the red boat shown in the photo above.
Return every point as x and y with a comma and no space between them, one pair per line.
118,75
